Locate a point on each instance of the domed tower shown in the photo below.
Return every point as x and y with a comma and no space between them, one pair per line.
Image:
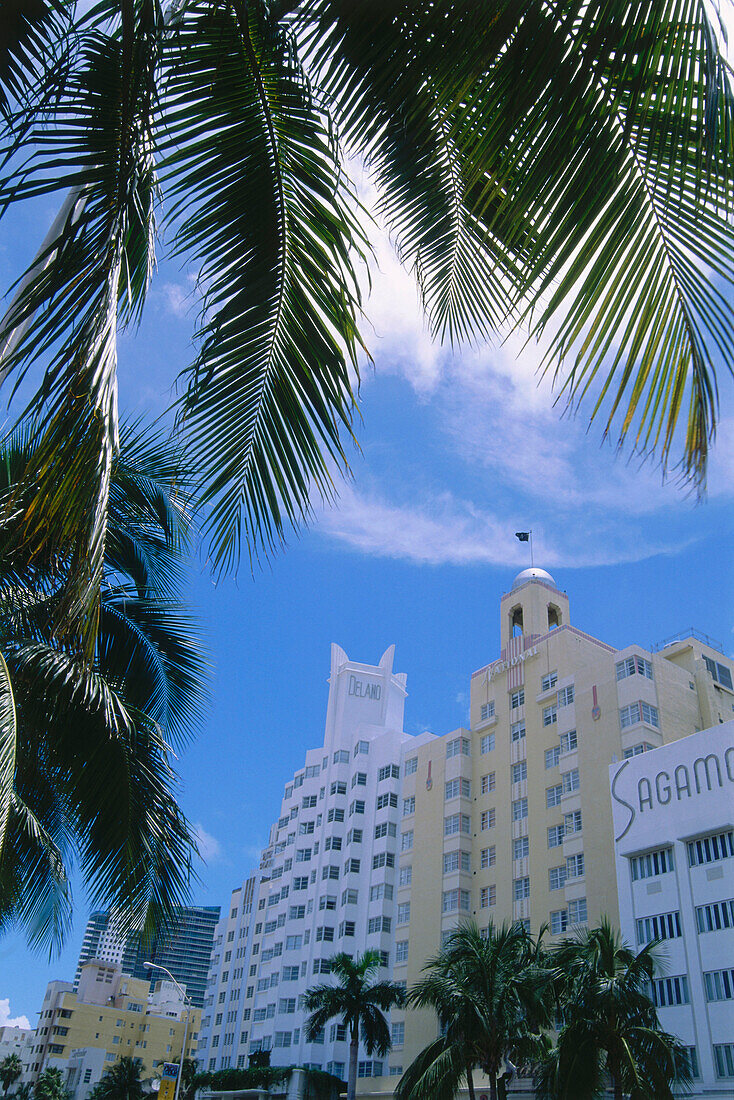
533,607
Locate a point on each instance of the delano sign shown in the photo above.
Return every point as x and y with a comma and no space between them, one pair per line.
714,771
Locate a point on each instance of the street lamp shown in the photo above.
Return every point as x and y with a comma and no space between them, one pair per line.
187,1006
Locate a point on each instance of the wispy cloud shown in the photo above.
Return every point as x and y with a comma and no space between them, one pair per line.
6,1020
210,849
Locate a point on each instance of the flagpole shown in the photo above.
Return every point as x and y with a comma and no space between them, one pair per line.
532,561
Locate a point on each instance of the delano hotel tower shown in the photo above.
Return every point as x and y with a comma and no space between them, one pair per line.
508,820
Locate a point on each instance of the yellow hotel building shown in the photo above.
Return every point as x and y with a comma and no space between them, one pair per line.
512,819
110,1016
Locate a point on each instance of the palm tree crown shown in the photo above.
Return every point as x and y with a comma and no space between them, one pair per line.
358,1003
562,168
11,1069
611,1028
120,1082
86,738
492,998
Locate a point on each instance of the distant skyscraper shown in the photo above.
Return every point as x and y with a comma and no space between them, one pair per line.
185,949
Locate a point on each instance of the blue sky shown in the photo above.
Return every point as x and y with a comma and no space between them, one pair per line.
458,452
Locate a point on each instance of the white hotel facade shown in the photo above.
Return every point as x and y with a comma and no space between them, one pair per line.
674,845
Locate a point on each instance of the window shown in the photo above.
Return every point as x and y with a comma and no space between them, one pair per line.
489,782
555,836
720,673
403,912
569,741
637,750
670,991
331,871
457,747
550,715
715,916
349,897
411,765
346,928
333,844
369,1069
517,731
361,747
354,836
321,966
303,855
487,896
632,666
408,806
521,888
309,802
519,809
662,926
454,900
396,1071
651,864
572,822
351,867
339,787
378,924
577,912
519,771
558,921
556,878
488,819
488,857
359,779
384,800
385,828
575,866
401,951
517,699
487,743
341,756
638,712
389,771
710,849
719,985
293,943
565,696
455,861
356,807
405,876
380,890
456,823
570,780
406,841
723,1059
552,756
457,787
300,882
327,901
486,711
549,681
312,770
397,1034
520,848
383,859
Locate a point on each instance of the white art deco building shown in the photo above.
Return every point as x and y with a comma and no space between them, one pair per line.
327,880
674,844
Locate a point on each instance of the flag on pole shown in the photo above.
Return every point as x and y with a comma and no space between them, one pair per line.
523,536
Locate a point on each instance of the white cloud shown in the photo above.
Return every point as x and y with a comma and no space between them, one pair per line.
6,1020
209,847
444,530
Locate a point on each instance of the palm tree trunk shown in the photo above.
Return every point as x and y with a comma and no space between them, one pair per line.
470,1082
352,1078
493,1086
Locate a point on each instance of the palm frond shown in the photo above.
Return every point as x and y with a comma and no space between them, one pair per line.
8,740
270,391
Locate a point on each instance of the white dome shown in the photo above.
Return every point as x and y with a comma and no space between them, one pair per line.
533,574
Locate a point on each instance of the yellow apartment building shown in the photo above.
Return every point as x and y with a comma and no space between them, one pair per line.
110,1016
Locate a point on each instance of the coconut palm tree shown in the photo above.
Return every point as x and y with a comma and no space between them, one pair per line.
86,738
50,1085
120,1082
611,1030
11,1068
492,997
565,169
358,1003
